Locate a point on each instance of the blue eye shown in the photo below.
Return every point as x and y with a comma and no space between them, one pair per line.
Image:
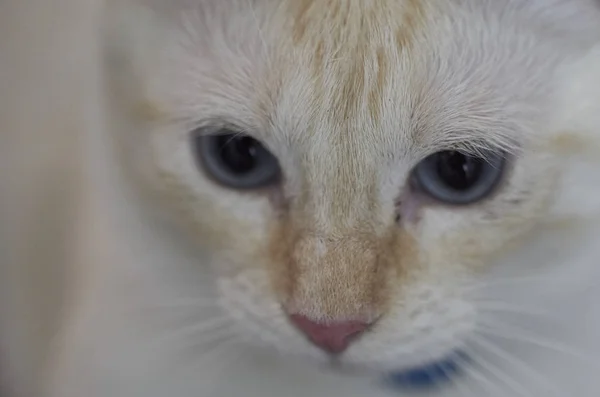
236,160
457,178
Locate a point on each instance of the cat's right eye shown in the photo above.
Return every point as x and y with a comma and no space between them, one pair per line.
236,160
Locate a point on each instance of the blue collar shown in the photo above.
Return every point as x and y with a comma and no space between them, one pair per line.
428,376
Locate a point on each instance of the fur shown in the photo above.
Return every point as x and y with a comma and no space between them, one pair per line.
180,286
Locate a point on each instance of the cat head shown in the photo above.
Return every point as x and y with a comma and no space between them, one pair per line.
349,167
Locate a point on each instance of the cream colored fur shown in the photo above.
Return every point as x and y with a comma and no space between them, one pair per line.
175,285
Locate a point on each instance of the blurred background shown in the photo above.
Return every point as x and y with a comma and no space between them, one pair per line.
47,81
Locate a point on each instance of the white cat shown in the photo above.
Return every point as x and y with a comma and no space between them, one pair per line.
302,197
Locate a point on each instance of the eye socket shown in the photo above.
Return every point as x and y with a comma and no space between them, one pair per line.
457,178
236,160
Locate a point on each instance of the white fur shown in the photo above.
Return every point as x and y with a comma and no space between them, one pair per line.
142,289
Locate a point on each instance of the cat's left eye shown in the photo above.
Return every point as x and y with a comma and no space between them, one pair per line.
236,160
457,178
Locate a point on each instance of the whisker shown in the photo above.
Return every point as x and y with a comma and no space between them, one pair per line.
208,343
222,343
520,335
478,285
502,376
515,361
216,351
194,303
484,381
464,389
196,329
503,307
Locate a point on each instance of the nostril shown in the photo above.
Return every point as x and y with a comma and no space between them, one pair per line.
331,337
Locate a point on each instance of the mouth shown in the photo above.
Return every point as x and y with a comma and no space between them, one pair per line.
430,375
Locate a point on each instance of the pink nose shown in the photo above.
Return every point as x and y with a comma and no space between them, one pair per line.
333,338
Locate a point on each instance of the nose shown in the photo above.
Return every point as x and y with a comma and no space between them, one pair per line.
334,337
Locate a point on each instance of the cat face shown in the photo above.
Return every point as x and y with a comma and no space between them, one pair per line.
380,156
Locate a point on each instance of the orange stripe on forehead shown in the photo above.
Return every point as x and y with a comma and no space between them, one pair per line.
376,94
313,18
348,45
412,20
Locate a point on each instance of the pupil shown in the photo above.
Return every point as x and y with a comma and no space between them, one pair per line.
458,171
239,154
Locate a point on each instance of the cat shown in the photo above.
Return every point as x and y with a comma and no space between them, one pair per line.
314,197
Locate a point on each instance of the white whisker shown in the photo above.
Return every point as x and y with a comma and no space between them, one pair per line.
502,376
221,344
519,335
515,361
197,329
479,285
484,381
464,389
206,344
503,307
193,303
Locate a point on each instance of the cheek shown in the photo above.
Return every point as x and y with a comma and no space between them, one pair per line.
212,221
473,237
469,246
218,220
233,233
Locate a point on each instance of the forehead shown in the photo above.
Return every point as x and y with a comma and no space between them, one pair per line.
396,72
346,63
